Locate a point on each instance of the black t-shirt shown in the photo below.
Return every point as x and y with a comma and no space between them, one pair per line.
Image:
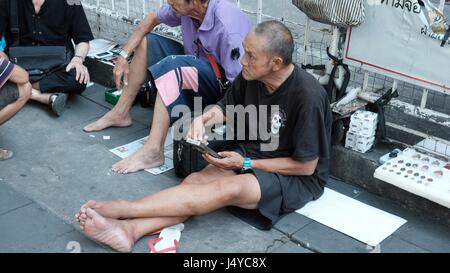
55,25
298,120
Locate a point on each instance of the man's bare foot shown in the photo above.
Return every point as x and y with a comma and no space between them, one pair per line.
138,161
114,233
110,119
108,209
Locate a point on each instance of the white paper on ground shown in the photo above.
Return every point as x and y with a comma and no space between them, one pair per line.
168,165
130,148
99,46
169,234
351,217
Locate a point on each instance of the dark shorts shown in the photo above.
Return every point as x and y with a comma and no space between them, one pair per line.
9,93
280,195
62,82
179,78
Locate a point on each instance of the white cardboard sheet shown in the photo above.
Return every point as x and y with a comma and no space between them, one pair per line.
351,217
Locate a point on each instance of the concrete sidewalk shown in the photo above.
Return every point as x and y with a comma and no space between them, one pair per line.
57,167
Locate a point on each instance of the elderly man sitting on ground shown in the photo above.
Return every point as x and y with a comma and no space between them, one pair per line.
268,183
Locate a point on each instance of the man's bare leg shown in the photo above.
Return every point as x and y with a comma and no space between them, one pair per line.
10,110
117,209
197,199
194,199
120,116
152,153
122,235
111,211
36,95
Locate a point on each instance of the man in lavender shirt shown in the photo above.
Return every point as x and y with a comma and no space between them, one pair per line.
179,72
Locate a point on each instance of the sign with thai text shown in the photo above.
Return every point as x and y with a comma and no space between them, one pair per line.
405,40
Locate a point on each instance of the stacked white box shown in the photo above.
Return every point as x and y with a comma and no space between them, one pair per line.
361,134
364,123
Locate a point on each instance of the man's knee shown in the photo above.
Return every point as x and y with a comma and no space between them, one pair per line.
24,91
142,49
143,45
230,191
73,86
61,82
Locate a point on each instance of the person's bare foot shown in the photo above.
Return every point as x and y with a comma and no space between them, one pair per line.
138,161
114,233
108,209
110,119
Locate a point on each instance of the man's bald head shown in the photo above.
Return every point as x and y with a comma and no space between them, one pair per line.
279,40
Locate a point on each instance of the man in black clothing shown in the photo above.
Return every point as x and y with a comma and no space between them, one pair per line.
264,182
52,23
291,167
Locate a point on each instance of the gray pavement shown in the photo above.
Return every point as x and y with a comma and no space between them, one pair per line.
57,167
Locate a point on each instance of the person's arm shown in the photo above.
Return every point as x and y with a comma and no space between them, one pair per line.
81,34
217,114
213,116
122,67
19,75
81,51
283,166
286,166
147,25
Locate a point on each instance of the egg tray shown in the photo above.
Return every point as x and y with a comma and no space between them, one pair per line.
418,173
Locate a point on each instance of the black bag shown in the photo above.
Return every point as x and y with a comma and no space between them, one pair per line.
379,107
187,160
38,61
147,94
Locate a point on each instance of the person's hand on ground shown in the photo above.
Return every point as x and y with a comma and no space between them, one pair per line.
81,70
230,161
121,70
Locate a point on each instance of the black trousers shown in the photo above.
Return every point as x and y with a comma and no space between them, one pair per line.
62,82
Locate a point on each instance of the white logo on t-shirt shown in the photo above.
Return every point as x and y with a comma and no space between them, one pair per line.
277,121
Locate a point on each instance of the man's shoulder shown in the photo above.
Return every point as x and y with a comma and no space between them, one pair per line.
240,83
308,89
233,19
68,5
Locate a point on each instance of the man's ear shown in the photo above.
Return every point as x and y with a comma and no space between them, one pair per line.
278,63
